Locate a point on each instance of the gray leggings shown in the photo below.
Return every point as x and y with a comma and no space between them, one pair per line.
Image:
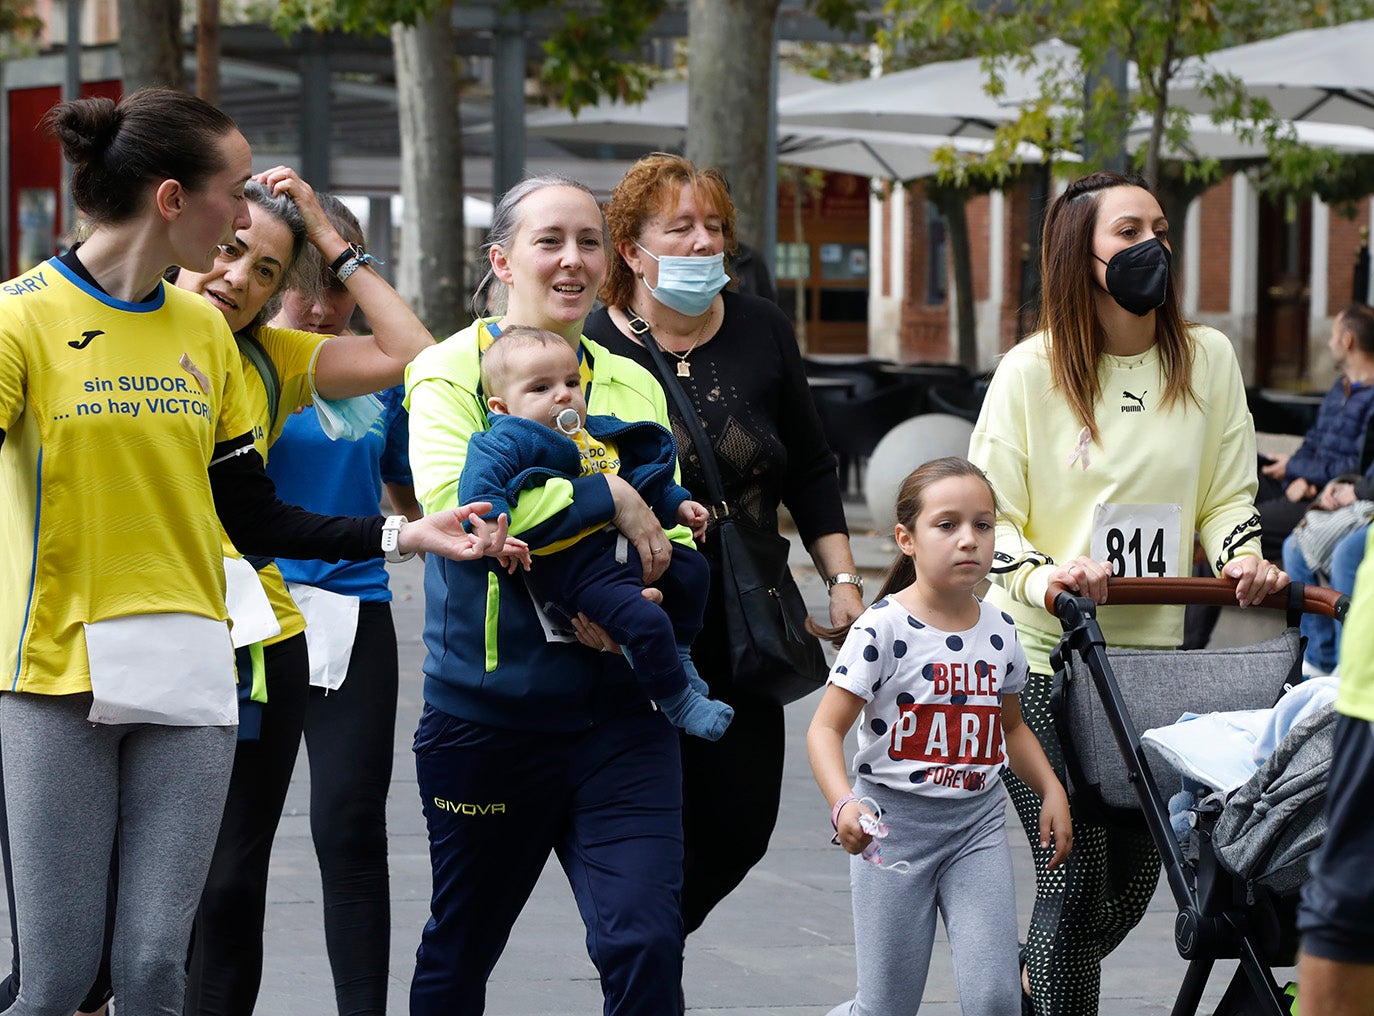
960,866
69,785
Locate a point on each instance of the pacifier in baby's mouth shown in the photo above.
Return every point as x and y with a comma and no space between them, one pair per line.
568,420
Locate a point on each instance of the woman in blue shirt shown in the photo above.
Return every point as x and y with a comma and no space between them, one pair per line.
350,716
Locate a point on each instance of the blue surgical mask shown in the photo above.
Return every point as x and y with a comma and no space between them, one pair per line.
348,419
688,284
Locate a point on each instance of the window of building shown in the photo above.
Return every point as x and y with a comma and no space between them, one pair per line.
794,261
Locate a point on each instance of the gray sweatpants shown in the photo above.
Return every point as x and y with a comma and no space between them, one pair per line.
960,866
69,784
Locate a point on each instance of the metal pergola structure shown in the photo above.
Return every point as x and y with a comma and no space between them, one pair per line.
327,101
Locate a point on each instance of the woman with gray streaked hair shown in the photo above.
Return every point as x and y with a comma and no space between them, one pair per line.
285,369
529,743
350,718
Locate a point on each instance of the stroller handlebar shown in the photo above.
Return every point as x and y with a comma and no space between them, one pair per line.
1215,592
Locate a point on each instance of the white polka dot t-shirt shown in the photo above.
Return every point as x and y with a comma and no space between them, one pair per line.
932,722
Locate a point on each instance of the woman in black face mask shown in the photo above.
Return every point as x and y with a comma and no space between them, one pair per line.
1111,436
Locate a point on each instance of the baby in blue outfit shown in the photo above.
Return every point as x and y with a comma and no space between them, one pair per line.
538,430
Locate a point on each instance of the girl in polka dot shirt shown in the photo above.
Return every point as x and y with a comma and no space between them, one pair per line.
931,673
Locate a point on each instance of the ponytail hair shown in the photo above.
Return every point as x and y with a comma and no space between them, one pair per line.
910,503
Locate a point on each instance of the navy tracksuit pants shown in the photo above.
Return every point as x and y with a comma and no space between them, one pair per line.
587,577
607,801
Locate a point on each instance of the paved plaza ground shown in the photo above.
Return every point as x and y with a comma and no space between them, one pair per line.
781,944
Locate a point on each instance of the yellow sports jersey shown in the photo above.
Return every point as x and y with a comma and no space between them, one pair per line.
111,412
598,456
293,355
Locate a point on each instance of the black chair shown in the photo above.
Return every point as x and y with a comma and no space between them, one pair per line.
1280,415
864,376
940,373
853,427
964,401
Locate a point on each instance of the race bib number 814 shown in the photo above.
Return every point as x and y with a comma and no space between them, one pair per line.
1139,540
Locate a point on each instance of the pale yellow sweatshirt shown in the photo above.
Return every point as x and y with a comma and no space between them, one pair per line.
1199,456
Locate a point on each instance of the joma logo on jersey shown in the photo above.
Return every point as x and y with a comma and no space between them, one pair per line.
1139,400
85,339
463,808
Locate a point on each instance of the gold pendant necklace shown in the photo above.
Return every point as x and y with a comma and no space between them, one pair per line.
684,369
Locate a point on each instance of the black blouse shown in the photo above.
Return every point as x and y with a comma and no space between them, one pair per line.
749,387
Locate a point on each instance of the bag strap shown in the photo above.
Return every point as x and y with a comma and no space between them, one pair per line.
271,383
707,454
267,370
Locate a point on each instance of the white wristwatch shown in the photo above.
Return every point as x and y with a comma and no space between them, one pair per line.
391,539
848,577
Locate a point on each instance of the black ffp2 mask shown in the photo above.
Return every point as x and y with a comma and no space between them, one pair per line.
1138,277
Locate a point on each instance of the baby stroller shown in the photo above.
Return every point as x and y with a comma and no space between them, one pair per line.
1232,903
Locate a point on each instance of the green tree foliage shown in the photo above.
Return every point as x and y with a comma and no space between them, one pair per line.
1157,36
362,17
18,27
593,54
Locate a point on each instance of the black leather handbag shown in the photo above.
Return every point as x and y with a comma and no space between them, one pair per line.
771,652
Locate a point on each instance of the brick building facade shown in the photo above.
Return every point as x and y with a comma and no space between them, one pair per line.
1270,276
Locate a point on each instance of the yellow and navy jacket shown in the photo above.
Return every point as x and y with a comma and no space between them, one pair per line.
487,658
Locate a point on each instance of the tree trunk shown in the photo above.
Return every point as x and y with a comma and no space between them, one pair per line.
207,50
150,43
1176,195
431,250
1160,89
953,205
730,50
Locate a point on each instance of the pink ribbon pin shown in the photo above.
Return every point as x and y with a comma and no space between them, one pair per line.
1080,450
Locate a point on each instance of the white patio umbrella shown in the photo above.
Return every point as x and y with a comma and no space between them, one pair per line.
659,122
1221,141
1320,74
943,99
889,155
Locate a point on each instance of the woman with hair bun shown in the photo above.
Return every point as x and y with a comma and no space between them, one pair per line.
125,441
555,742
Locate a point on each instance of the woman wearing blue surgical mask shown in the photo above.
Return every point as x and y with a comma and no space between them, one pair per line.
1111,437
672,226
